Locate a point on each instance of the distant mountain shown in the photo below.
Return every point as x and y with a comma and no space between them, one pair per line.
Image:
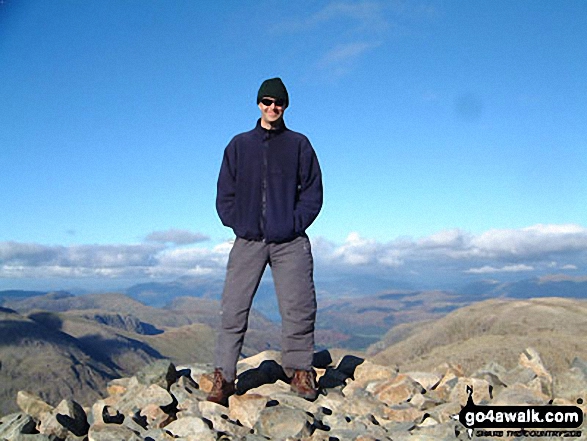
75,344
162,294
19,294
159,294
46,361
361,321
492,330
546,286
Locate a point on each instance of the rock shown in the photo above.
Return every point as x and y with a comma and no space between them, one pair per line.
15,424
400,389
191,427
492,372
185,390
520,394
571,385
206,382
288,399
155,416
134,400
269,390
281,422
367,371
359,401
68,416
256,360
161,373
449,370
434,431
403,413
481,391
246,409
218,416
423,401
32,405
531,359
443,413
428,380
104,414
518,375
581,365
111,432
119,386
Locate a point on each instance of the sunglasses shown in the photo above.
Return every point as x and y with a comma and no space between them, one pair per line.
268,101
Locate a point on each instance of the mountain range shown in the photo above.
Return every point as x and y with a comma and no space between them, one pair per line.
58,344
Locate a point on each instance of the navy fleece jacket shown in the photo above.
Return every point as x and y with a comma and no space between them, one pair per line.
270,185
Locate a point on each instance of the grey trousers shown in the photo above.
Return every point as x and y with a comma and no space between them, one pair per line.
292,268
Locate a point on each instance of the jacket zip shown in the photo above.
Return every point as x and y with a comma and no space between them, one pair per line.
264,189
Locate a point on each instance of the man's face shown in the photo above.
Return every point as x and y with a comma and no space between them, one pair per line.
272,111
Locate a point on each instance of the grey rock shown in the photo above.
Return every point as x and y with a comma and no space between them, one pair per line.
247,408
520,394
428,380
423,402
72,417
186,390
190,427
33,437
218,416
281,422
161,404
580,364
519,374
140,396
161,373
112,432
571,385
32,405
15,424
49,425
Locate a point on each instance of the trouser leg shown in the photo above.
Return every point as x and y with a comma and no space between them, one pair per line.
292,268
246,263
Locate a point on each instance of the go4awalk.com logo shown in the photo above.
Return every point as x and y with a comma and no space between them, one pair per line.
527,421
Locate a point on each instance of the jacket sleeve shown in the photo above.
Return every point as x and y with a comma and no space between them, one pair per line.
226,187
309,201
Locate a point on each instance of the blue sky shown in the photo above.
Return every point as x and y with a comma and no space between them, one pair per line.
451,134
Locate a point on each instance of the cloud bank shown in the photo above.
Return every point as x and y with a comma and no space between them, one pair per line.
533,251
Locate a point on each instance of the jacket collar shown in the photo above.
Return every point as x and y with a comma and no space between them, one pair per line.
270,133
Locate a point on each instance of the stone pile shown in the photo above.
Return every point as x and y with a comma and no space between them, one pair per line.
359,401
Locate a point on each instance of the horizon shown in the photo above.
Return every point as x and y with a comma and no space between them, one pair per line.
451,136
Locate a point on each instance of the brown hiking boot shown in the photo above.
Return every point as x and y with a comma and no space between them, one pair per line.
221,389
303,384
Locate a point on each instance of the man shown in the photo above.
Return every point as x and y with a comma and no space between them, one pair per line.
269,192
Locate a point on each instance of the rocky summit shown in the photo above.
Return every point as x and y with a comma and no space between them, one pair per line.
359,400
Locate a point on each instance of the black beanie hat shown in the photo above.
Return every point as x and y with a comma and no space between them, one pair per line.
274,88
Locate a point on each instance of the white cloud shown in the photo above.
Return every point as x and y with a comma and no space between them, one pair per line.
444,239
505,269
529,242
532,250
177,237
569,267
495,251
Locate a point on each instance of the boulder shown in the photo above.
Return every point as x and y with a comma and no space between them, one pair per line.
281,422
